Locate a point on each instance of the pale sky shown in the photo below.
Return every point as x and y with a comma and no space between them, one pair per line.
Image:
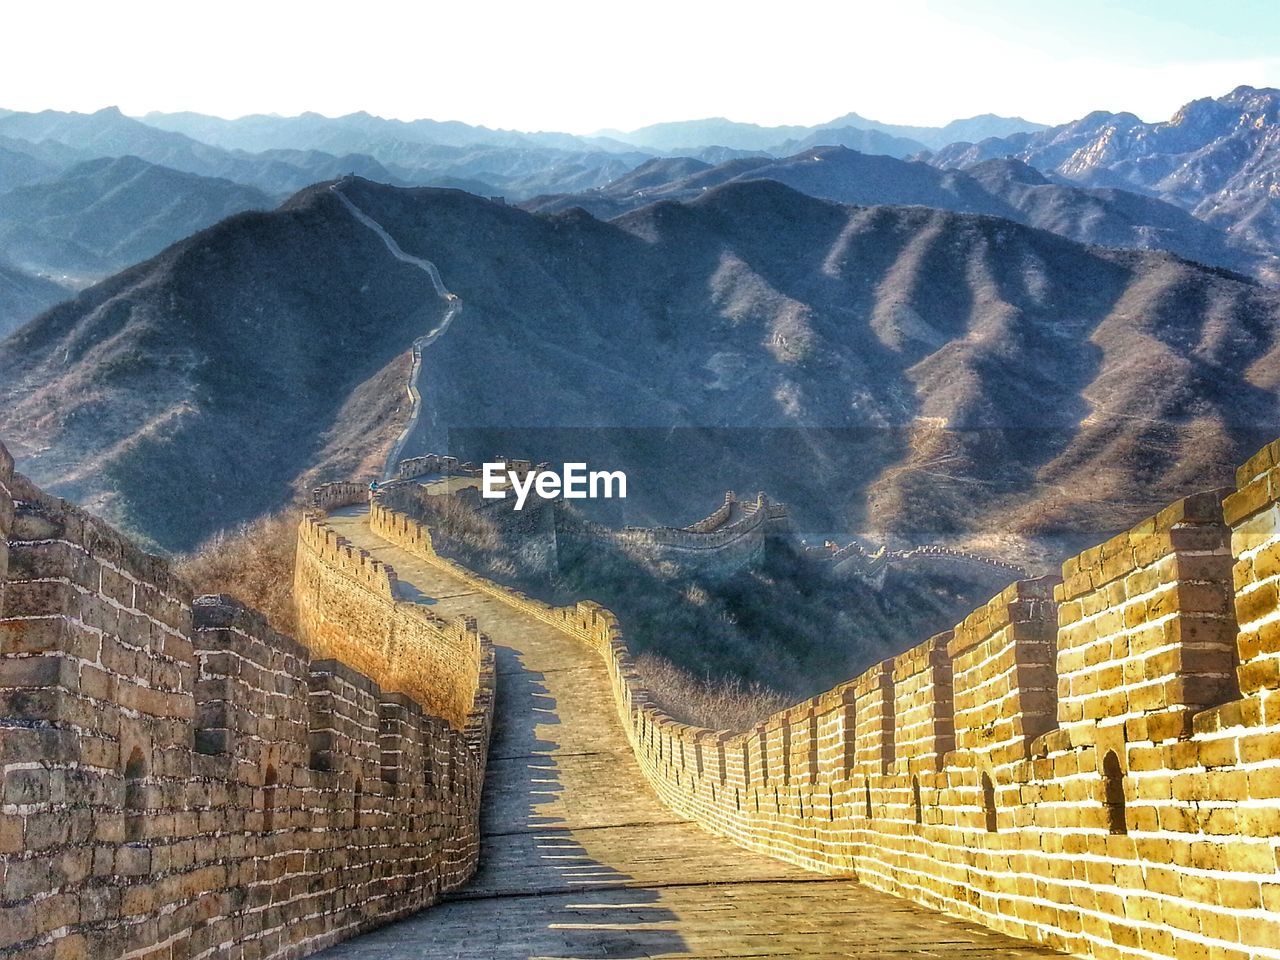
583,65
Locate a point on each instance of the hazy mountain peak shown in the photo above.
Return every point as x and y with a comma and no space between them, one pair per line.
1216,157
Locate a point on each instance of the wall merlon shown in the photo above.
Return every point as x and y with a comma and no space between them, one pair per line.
874,718
1190,526
1003,678
334,675
932,653
331,496
924,709
1147,623
233,625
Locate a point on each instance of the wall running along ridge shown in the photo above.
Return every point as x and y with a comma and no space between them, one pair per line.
179,780
731,538
1092,762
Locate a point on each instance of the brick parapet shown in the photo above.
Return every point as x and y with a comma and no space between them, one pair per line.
1151,834
758,519
717,517
157,791
1003,679
342,493
1254,514
924,705
349,608
1147,628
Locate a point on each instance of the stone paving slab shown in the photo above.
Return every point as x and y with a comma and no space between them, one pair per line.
814,918
579,858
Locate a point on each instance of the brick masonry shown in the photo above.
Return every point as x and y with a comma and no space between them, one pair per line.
349,609
1092,762
181,781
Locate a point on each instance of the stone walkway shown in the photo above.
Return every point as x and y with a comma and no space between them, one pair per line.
580,859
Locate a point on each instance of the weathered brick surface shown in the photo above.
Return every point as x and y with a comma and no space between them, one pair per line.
349,608
1092,763
1073,764
178,780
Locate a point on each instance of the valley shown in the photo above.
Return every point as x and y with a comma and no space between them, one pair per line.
906,348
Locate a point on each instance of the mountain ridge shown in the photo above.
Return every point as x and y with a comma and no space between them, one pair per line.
902,369
1004,188
103,215
1216,157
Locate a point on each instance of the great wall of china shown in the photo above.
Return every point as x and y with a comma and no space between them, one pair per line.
1092,763
179,780
731,537
1089,762
854,560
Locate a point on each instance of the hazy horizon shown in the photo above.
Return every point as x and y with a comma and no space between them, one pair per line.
603,131
580,68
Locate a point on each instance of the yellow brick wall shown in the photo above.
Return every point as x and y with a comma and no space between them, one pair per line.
348,609
1095,723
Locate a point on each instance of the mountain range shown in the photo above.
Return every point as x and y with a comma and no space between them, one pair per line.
23,296
85,195
1003,188
917,371
1043,332
104,215
893,139
1218,158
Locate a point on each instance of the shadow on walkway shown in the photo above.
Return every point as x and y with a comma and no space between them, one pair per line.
538,892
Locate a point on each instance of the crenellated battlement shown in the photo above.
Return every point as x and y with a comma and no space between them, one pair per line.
342,493
340,555
731,537
179,778
731,523
1088,761
854,560
350,609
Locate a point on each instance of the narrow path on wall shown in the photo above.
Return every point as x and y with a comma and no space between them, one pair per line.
580,859
453,306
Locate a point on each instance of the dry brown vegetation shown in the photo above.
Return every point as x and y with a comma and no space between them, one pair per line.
727,704
253,563
459,530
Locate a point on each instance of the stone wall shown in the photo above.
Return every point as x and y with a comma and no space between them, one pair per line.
853,560
717,518
349,609
1092,762
342,493
734,522
434,463
732,537
179,780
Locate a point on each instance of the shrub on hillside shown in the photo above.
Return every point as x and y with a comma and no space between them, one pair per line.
253,563
724,704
